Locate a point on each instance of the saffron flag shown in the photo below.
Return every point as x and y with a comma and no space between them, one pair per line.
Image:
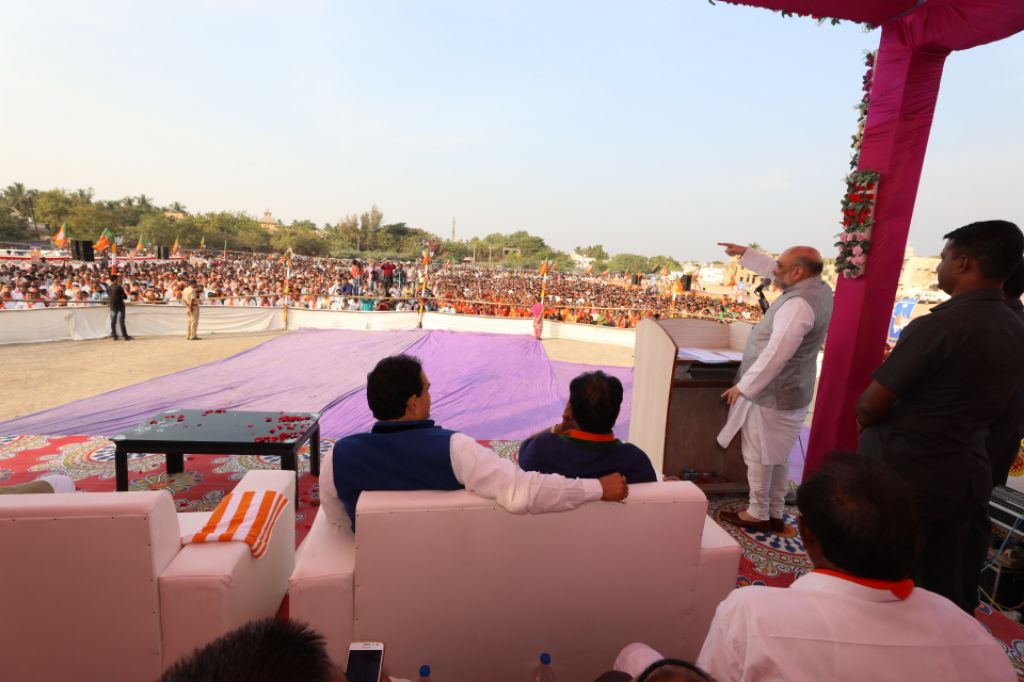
105,240
138,247
543,267
175,250
202,242
60,240
426,257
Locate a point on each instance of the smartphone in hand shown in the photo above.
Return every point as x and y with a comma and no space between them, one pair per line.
365,661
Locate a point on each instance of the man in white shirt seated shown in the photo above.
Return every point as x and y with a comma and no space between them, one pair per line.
405,451
857,615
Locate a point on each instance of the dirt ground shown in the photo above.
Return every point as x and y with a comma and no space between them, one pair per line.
43,375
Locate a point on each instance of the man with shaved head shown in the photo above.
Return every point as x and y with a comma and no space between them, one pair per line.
775,382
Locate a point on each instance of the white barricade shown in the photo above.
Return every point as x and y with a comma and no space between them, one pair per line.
64,324
93,322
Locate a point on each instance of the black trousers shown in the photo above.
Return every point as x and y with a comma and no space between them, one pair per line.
117,317
952,542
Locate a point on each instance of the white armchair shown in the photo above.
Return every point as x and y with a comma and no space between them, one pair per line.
97,586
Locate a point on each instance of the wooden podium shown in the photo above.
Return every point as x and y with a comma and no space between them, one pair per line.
677,409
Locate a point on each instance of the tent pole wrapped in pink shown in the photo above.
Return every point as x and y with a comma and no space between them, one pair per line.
908,72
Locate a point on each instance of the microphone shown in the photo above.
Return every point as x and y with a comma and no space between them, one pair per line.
761,300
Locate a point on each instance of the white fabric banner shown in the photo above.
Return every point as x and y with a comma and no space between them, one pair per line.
350,319
93,322
62,324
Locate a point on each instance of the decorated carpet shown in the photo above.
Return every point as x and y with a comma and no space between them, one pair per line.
768,558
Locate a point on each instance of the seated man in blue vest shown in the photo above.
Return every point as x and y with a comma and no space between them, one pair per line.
405,451
583,443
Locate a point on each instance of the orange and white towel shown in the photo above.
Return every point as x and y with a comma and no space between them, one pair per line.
247,517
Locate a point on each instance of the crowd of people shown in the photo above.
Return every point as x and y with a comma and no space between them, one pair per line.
333,284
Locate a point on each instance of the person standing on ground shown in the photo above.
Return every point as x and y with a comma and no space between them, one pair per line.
537,311
929,406
116,297
190,298
775,382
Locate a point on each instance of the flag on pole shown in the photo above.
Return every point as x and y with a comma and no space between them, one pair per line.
137,249
543,267
175,250
60,240
105,240
202,242
426,256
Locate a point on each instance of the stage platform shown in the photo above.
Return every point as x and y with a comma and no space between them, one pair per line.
497,388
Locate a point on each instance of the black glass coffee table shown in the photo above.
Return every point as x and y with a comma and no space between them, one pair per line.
220,432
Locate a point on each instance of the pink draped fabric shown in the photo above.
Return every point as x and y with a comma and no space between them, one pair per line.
917,36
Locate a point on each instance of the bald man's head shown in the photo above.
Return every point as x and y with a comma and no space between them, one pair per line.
796,264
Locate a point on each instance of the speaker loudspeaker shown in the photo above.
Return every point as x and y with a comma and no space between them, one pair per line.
81,249
163,252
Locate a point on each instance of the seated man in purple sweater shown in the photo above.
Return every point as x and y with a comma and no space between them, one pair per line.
405,451
583,444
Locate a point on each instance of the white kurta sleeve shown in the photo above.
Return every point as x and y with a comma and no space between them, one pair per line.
792,322
761,263
520,492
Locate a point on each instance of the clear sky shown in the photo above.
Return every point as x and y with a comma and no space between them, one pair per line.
653,127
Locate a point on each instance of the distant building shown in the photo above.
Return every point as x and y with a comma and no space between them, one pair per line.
269,223
581,262
175,215
918,274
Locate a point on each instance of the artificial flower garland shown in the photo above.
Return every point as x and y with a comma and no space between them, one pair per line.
861,191
862,108
854,241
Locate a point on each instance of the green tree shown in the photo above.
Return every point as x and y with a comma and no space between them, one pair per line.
595,251
658,262
53,207
627,262
22,201
301,239
13,226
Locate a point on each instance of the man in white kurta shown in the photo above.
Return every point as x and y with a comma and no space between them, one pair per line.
857,616
776,380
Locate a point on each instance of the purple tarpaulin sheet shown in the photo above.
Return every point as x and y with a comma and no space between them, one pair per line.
489,386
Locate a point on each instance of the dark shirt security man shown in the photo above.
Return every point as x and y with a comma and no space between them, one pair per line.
928,410
116,297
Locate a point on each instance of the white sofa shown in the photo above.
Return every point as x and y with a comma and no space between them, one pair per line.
97,586
453,581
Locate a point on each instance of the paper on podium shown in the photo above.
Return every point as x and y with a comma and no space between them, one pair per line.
710,356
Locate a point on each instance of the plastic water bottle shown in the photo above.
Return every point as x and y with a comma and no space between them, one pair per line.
543,672
424,674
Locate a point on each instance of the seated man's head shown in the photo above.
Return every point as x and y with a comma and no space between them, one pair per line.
398,390
673,670
594,400
265,650
856,517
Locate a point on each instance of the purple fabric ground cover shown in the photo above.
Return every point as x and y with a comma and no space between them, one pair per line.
490,386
